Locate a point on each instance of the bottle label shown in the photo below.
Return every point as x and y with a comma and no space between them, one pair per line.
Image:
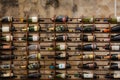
34,19
91,19
62,55
35,38
115,47
90,38
5,29
118,56
88,75
119,65
93,46
7,75
116,75
62,66
118,19
9,38
64,38
35,28
62,47
61,75
88,56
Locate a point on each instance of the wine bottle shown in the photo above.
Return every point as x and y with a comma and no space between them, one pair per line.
7,47
60,66
87,38
86,75
7,75
29,38
60,38
7,28
31,66
32,28
7,66
113,57
113,38
87,47
6,38
31,75
32,47
89,56
59,28
114,20
112,75
115,28
112,66
58,47
60,56
89,28
112,47
35,56
60,18
90,65
7,57
86,20
6,19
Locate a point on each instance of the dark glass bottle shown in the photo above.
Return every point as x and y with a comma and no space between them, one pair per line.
87,38
87,47
91,65
6,38
60,66
7,57
86,75
113,57
7,29
112,47
61,18
112,75
31,76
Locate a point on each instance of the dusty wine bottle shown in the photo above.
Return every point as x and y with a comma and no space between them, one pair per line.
86,75
7,75
7,66
87,38
115,28
62,75
60,66
113,57
7,47
114,20
30,38
60,56
6,19
112,66
87,47
112,75
7,28
113,38
89,56
86,20
91,65
60,38
6,38
32,28
7,57
31,75
112,47
31,66
60,18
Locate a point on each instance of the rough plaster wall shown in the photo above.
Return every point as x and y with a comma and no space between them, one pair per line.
73,8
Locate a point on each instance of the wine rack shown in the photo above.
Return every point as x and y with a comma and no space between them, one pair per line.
74,60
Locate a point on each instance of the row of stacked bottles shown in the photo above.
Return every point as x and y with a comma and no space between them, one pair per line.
59,48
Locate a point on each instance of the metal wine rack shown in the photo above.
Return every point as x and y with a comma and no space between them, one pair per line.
74,60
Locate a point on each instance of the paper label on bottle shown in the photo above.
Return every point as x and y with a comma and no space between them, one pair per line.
35,38
62,75
62,66
64,38
62,47
88,75
116,75
115,47
119,56
5,29
119,65
34,19
118,19
7,75
91,19
93,46
62,55
90,38
8,38
35,28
